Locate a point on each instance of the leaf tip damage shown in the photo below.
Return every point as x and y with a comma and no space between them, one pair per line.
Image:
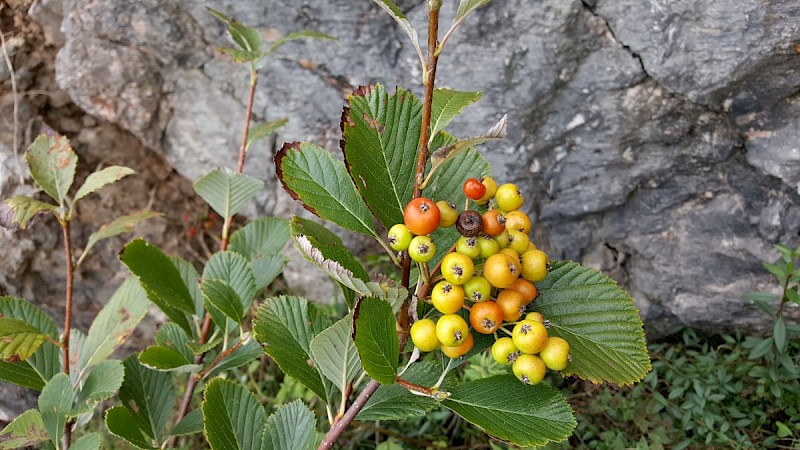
295,146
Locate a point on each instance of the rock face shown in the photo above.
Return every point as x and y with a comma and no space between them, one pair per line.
658,139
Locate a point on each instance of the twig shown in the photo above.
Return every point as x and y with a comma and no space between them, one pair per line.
338,428
67,437
219,358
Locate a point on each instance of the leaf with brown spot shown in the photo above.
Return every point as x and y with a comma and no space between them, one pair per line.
26,430
114,323
312,175
52,163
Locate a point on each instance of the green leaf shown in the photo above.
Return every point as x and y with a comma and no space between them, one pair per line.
261,241
89,441
446,105
267,268
466,7
286,326
158,357
598,319
101,178
18,340
45,362
263,130
777,269
312,175
122,423
115,323
22,374
292,427
55,404
514,412
227,191
199,349
380,140
394,402
52,163
779,333
149,396
335,354
161,280
376,339
234,419
25,208
234,269
762,296
120,225
189,275
793,295
192,423
172,336
247,352
25,430
245,37
302,34
223,297
101,384
265,236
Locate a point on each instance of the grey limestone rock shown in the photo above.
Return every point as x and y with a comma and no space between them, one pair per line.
657,139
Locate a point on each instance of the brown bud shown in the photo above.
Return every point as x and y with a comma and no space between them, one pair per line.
469,223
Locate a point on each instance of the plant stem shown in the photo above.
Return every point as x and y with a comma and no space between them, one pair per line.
219,358
422,151
223,245
784,298
66,439
428,82
247,118
226,226
338,428
422,158
68,295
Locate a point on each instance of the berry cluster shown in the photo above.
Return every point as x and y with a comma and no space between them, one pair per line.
491,273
